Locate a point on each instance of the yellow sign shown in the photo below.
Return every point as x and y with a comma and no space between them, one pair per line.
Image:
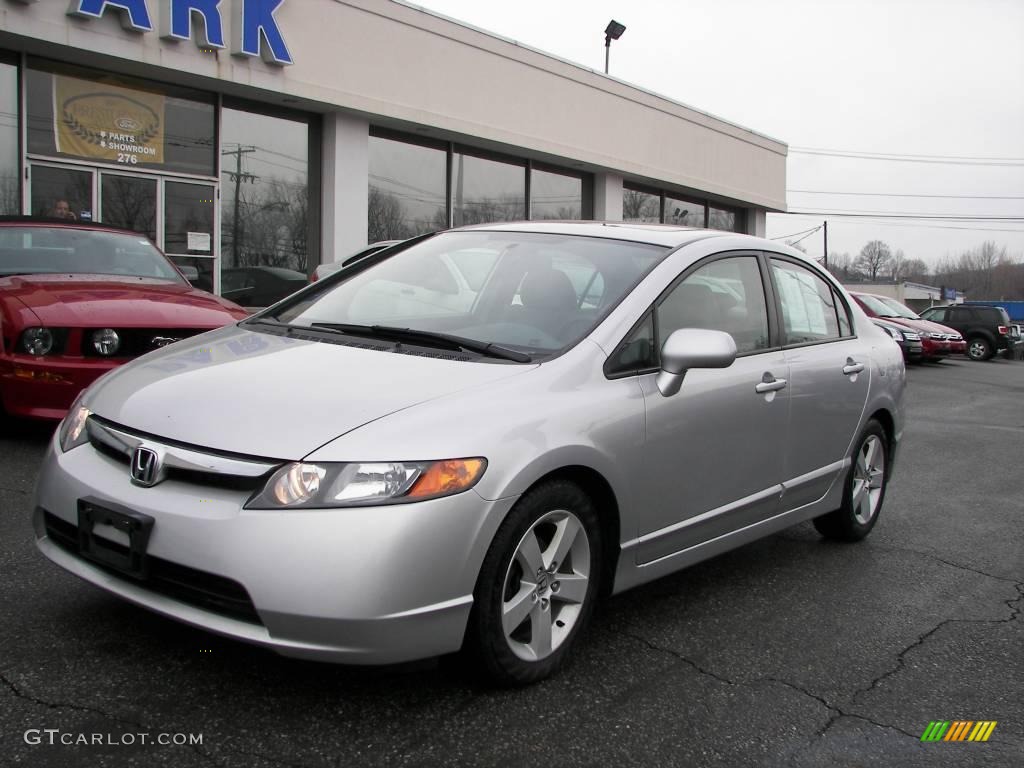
107,122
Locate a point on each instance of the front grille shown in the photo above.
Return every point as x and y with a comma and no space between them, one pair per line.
211,479
139,341
208,591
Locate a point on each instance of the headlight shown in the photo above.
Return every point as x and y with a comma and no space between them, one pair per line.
893,332
72,429
106,341
37,341
911,336
362,484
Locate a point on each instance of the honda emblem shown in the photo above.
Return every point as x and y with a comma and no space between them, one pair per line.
145,467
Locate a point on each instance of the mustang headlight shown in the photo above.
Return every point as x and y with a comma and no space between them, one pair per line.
37,341
72,430
363,484
106,341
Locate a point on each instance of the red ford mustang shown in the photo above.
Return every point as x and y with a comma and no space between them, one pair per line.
77,299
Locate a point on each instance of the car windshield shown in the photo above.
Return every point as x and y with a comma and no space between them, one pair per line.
876,305
40,250
900,310
531,292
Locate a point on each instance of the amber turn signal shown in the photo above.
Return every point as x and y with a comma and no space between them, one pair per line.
446,477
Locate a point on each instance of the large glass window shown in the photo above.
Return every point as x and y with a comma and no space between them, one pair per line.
640,206
10,162
117,120
722,218
724,295
685,213
264,191
407,191
555,195
487,190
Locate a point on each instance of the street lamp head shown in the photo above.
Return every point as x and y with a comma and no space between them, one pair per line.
614,30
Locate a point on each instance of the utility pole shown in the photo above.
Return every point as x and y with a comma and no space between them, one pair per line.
238,177
825,228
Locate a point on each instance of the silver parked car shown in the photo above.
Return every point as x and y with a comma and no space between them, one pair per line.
471,437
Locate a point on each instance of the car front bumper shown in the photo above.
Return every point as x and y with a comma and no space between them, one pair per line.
45,387
369,585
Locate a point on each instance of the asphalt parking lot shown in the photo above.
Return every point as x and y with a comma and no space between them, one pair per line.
789,651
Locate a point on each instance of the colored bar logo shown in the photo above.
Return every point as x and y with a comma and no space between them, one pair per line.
958,730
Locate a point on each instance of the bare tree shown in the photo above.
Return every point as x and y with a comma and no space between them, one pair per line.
897,266
873,259
915,270
386,217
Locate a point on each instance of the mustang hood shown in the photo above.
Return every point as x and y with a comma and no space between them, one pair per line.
239,390
90,301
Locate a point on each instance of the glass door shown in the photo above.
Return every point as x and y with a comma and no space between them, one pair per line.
62,192
189,218
129,202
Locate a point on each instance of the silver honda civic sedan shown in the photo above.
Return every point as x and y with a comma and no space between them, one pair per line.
465,441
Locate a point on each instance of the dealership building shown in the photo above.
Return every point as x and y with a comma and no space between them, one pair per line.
286,133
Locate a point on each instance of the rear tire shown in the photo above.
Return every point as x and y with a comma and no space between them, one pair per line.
537,586
864,490
978,348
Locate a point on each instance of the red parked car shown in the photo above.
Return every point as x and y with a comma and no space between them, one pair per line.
937,340
77,299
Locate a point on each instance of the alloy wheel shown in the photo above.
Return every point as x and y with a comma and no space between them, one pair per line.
545,585
978,350
868,479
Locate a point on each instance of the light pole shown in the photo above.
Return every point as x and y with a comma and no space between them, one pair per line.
613,31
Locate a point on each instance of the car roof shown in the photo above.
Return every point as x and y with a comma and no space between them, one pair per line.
656,234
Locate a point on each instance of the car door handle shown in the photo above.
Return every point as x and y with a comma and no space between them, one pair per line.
770,384
851,367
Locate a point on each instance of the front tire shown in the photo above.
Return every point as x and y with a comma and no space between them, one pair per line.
537,586
864,491
978,348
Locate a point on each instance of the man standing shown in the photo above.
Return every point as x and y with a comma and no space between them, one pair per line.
62,210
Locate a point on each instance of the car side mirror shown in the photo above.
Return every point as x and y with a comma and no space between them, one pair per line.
189,273
692,348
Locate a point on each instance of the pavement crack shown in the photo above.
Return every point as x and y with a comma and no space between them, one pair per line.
961,566
1012,603
19,693
835,712
20,491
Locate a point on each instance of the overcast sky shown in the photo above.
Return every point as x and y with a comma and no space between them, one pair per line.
907,77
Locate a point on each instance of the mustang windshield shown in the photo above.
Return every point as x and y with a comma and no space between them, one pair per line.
40,250
532,292
899,310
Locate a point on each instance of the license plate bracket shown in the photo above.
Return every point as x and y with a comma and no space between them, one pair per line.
130,560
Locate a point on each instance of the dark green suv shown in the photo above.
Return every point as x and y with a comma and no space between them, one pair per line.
986,329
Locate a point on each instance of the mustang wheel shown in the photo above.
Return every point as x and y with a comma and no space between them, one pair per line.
537,586
864,491
979,349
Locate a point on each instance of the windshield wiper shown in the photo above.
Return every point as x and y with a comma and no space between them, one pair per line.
430,337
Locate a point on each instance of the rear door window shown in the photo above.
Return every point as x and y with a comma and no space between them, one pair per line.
809,312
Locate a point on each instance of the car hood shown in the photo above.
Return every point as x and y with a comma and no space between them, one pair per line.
254,393
925,326
84,301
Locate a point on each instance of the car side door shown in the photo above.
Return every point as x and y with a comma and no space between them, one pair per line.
829,375
714,452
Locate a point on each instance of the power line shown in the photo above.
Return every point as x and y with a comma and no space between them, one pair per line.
940,159
812,229
906,215
907,194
